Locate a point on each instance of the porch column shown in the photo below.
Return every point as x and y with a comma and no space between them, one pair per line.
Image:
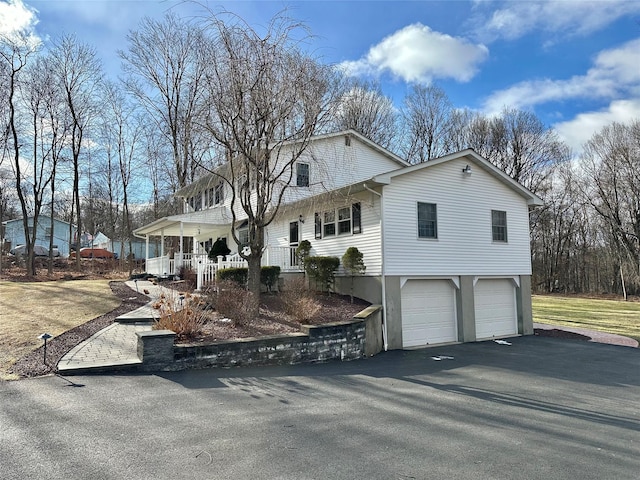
181,237
162,242
146,252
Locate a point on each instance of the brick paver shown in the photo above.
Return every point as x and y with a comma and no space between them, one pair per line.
115,346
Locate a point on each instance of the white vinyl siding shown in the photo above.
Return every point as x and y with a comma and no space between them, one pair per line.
464,205
368,242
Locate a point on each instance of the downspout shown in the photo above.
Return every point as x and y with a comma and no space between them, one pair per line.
382,266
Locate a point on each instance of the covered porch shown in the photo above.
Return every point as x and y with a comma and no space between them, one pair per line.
196,232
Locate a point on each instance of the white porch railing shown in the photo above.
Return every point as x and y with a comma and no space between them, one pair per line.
159,266
206,268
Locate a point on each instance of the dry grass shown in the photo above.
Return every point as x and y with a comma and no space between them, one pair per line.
29,309
612,316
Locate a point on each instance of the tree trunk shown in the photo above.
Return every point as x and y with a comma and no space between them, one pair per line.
253,283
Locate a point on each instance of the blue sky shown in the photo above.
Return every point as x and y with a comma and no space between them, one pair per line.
576,64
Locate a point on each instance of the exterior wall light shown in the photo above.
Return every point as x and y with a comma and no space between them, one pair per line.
467,170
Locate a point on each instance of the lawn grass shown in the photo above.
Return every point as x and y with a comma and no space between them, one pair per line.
612,316
30,309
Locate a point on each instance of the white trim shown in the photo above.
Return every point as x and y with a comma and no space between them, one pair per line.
455,280
515,279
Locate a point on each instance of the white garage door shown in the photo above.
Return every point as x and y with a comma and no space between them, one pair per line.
495,302
428,312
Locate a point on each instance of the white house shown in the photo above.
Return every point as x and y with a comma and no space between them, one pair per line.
14,233
445,243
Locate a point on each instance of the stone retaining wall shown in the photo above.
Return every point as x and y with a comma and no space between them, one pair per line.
347,340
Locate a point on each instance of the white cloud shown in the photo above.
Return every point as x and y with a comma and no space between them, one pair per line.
615,73
16,17
418,54
516,19
576,132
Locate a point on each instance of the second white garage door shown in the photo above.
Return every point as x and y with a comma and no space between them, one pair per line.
495,302
428,312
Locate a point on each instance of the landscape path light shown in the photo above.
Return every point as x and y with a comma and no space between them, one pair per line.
45,336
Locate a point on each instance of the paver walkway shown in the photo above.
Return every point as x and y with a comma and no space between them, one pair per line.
115,347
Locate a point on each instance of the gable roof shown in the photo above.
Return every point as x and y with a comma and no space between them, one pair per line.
42,220
474,159
211,179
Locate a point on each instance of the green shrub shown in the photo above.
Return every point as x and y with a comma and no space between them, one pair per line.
302,252
322,270
219,248
353,265
237,275
269,276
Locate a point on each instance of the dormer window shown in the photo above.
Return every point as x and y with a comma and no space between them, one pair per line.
302,174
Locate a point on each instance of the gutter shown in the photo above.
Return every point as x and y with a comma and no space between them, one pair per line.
382,265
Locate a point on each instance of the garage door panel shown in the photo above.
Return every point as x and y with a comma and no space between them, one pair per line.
428,312
495,308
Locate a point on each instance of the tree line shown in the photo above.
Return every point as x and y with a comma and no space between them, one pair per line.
108,154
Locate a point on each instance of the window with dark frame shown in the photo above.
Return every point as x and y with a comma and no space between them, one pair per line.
302,174
499,225
427,220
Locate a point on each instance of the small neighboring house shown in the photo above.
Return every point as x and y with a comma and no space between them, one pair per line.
445,243
138,246
14,233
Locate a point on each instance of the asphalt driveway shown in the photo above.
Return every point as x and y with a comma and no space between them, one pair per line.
539,408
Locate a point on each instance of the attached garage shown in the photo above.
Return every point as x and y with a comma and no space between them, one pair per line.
428,312
495,308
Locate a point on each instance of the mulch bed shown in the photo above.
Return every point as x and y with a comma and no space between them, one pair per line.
32,364
555,333
272,321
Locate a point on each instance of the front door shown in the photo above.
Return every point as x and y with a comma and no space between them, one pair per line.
294,240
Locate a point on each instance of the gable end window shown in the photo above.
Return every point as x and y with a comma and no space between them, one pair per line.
302,174
427,220
499,225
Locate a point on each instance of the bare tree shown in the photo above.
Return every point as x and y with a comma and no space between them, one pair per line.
611,160
124,131
365,109
47,132
426,114
267,98
165,67
79,74
15,50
